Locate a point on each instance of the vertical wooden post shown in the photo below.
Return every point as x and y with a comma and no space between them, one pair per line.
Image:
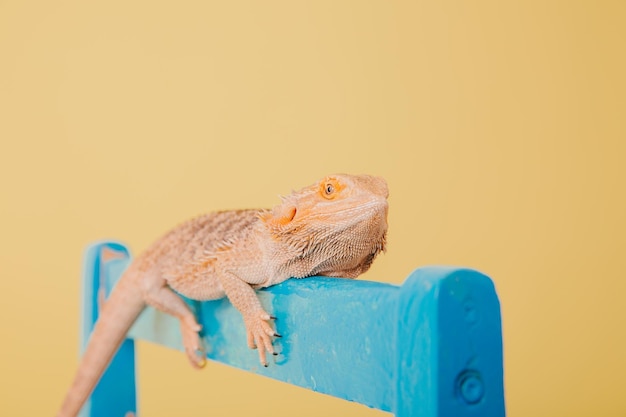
115,394
449,342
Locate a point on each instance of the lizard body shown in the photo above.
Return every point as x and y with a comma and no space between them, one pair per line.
335,227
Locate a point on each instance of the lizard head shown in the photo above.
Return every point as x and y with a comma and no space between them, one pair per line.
335,227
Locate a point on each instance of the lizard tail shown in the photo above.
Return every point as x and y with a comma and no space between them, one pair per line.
117,316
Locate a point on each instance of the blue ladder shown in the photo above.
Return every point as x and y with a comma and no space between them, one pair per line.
431,347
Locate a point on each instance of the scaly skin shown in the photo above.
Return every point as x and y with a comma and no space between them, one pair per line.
335,228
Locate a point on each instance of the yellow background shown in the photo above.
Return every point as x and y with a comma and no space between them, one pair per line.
500,129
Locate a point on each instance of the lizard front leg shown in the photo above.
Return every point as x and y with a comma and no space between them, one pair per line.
243,298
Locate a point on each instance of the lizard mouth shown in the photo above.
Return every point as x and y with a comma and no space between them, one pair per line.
368,209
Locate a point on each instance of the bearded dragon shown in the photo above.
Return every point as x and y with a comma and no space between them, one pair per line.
335,227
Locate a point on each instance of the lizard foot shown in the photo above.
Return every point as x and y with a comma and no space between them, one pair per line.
260,334
193,343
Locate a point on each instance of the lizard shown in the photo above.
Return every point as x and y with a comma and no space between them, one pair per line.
335,227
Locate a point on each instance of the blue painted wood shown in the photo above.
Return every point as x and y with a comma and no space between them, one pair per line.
115,394
431,347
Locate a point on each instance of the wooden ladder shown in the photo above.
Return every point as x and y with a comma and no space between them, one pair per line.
431,347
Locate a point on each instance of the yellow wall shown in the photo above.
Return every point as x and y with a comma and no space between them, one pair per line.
500,129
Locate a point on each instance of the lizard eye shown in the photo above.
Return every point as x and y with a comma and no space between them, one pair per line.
329,188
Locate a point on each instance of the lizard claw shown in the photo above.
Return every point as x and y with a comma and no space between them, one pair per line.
259,334
194,348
